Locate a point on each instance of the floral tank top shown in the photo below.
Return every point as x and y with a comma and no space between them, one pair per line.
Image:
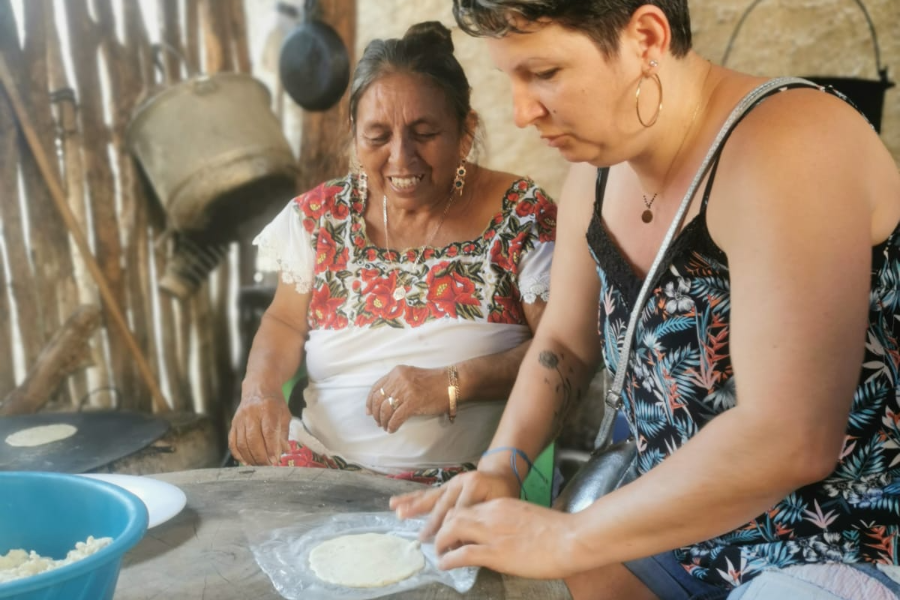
680,377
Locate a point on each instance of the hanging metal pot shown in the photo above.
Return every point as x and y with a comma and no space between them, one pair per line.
866,94
314,65
213,151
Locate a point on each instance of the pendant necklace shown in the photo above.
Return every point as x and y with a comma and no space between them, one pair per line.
400,291
647,215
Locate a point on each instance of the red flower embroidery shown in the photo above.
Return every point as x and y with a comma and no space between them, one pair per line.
523,185
545,214
340,211
449,290
452,251
309,225
523,209
371,254
515,250
510,311
317,201
323,310
328,257
416,315
378,291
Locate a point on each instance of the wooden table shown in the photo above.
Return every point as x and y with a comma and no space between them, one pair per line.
203,553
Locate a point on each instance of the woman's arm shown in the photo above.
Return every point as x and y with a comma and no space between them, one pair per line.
259,430
554,374
423,391
796,223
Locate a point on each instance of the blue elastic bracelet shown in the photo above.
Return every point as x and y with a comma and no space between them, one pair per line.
512,463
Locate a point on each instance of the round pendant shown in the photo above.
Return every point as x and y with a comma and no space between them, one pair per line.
647,216
399,293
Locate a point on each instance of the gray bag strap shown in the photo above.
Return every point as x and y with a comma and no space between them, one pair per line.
614,397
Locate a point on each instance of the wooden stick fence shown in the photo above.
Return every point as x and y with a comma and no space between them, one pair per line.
75,95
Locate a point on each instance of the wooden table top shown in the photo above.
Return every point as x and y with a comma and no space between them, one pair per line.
203,553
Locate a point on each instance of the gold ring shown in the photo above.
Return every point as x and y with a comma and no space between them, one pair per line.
382,392
391,401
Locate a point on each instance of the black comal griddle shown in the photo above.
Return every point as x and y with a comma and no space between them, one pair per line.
102,437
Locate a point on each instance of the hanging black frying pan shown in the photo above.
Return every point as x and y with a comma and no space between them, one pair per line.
314,65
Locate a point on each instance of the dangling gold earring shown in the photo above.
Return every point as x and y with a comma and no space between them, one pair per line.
637,97
362,185
460,180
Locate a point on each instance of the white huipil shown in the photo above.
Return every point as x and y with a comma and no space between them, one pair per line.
461,301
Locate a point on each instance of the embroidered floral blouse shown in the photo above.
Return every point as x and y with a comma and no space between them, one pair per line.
461,301
680,377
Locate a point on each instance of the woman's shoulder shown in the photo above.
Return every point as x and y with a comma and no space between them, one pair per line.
525,206
332,196
807,118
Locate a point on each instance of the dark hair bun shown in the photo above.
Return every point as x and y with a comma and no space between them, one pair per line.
430,34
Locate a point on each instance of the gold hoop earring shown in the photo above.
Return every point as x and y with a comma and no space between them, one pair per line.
460,180
637,100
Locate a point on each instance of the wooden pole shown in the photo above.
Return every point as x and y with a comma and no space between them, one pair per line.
7,367
21,278
84,41
97,376
80,239
67,352
124,76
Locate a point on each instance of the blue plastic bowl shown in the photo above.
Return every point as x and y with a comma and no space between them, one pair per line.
49,513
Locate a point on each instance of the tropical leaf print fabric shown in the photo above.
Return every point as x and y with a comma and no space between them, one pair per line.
680,377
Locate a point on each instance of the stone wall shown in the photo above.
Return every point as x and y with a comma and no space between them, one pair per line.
779,37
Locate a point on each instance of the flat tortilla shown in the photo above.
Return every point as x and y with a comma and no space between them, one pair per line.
366,560
38,436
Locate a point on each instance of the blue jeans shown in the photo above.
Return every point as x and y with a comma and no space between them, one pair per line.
669,581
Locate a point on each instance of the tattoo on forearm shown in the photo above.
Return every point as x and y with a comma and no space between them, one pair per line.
563,388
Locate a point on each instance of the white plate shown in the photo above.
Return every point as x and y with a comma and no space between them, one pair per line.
163,500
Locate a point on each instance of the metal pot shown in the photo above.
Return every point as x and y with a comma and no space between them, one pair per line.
866,94
314,64
213,152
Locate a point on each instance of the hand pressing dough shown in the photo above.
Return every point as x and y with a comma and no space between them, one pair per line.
366,560
38,436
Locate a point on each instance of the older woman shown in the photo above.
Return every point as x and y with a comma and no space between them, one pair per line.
763,384
412,286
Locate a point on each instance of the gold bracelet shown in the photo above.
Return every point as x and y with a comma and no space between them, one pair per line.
452,391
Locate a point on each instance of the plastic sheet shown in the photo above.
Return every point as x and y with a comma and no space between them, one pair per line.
283,553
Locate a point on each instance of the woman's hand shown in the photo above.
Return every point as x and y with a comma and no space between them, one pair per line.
259,430
464,490
509,536
414,391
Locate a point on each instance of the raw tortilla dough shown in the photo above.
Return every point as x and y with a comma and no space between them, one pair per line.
366,560
38,436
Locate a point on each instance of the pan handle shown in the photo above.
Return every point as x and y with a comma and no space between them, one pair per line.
882,71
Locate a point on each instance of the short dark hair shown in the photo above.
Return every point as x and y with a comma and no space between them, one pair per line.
425,49
601,20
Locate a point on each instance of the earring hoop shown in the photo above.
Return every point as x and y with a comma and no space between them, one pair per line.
459,181
637,100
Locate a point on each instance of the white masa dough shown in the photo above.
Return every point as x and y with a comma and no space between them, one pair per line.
38,436
366,560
